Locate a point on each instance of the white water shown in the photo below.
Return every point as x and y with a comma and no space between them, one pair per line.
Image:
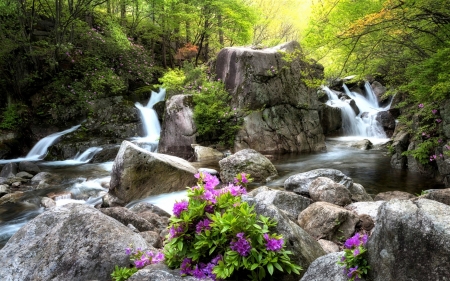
78,159
364,124
150,122
39,150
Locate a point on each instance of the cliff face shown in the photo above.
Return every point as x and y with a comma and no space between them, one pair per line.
272,86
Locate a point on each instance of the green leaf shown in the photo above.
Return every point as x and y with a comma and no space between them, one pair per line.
270,268
278,266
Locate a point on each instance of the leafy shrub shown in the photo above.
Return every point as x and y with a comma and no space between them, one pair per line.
216,235
354,259
11,117
173,80
123,273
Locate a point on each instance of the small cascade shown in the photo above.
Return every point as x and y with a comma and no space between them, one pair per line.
150,122
63,197
87,155
364,124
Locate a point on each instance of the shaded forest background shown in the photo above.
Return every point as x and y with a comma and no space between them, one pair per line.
56,56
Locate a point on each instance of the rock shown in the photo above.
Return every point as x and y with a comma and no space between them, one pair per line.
11,197
110,200
47,202
379,90
359,193
353,105
107,154
299,183
330,119
326,268
178,128
365,208
250,162
328,246
363,144
4,189
387,121
400,144
389,195
127,217
144,207
325,189
24,175
137,173
9,170
39,177
305,249
283,110
160,272
209,171
203,153
323,220
70,242
29,167
365,223
410,241
292,204
159,223
152,238
442,195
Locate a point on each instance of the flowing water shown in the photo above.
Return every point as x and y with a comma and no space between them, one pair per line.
79,182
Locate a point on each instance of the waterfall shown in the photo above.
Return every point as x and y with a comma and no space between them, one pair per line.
78,159
39,150
364,124
150,123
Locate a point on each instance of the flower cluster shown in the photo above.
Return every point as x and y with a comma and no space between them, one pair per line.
215,234
141,258
353,260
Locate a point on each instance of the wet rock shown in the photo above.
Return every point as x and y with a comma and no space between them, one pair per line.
389,195
324,220
24,175
330,119
299,183
71,242
11,197
137,173
127,217
108,153
325,189
48,202
359,193
400,145
29,167
39,177
203,153
326,268
363,144
110,200
410,241
353,105
9,170
4,189
250,162
387,121
178,128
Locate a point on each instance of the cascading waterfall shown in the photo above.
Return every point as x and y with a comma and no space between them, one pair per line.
150,122
39,150
364,124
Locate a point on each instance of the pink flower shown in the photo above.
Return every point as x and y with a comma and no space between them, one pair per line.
421,105
434,111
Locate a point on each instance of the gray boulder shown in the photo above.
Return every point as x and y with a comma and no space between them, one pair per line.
127,217
366,208
399,145
292,204
283,109
29,167
328,246
326,268
137,173
203,153
72,242
440,195
178,128
389,195
160,272
24,175
387,121
325,189
324,220
305,249
359,193
299,183
410,241
362,144
9,170
250,162
330,119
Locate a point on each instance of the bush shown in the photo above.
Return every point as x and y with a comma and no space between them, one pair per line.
354,259
216,235
11,117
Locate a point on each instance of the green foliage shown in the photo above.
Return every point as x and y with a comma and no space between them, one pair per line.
173,80
354,259
123,273
217,229
11,116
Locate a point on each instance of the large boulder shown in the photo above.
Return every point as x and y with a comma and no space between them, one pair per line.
324,220
299,183
387,121
203,153
138,173
326,268
359,193
283,109
325,189
330,119
305,249
127,217
366,208
250,162
399,145
178,127
440,195
9,170
71,242
160,272
389,195
410,241
29,167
